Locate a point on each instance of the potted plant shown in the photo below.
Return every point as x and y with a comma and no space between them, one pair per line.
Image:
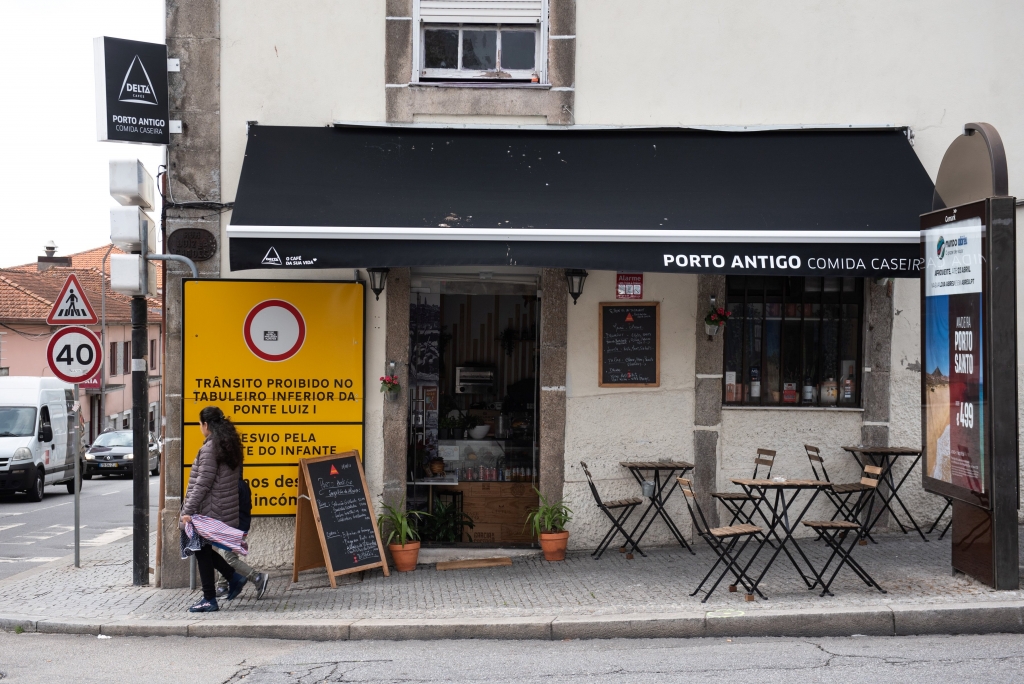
715,319
446,426
389,386
400,534
548,523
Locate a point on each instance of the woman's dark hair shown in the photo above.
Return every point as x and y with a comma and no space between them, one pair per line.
227,445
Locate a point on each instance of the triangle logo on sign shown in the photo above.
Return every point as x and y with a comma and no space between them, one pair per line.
136,86
72,306
629,318
334,471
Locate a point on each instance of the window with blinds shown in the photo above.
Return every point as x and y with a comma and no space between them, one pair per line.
500,40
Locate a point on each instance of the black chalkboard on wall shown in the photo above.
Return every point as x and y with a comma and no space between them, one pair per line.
335,525
629,344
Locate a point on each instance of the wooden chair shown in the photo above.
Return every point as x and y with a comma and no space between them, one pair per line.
835,533
735,502
839,494
624,508
723,541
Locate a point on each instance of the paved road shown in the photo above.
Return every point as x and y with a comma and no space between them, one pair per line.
34,533
51,658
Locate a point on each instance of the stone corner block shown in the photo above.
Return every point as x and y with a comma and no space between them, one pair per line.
960,618
453,628
821,622
637,626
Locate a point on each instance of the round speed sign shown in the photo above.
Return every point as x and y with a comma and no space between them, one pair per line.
74,354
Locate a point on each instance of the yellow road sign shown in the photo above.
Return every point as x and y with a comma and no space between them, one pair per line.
284,361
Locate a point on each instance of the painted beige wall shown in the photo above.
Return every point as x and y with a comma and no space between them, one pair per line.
303,63
604,426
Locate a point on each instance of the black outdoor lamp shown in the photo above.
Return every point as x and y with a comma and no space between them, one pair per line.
378,279
575,277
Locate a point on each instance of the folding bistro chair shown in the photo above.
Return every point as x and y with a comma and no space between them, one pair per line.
722,541
838,494
735,502
624,507
835,533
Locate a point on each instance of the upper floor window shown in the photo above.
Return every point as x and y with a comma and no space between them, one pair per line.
793,341
480,52
481,40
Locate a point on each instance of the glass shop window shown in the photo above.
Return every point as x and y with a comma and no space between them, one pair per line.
793,341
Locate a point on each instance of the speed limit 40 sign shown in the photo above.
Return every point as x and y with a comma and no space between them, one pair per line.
74,354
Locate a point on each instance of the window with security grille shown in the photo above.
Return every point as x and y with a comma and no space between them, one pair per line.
793,341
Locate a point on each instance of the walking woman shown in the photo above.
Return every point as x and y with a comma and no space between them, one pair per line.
213,492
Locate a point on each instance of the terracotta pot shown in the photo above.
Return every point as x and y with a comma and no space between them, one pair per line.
553,545
405,557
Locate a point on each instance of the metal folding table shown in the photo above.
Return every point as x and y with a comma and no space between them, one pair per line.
664,474
885,458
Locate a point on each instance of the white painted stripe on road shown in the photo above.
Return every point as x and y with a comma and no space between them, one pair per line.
108,536
46,533
36,510
38,559
7,527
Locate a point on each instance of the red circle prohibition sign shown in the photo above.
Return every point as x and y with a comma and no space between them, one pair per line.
247,330
85,357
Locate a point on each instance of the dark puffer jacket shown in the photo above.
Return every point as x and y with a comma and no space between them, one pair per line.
212,489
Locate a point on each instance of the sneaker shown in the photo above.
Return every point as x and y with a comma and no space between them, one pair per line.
235,585
204,606
222,590
260,581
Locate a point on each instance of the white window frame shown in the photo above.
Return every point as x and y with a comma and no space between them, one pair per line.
498,73
126,420
540,57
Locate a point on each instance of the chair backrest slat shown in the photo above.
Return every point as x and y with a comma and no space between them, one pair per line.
814,456
872,476
698,517
766,458
874,470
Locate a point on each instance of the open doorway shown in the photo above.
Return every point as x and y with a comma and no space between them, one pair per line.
473,437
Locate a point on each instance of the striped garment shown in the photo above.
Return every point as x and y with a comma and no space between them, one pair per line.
218,534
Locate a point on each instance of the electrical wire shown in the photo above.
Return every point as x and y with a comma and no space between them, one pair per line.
197,204
27,336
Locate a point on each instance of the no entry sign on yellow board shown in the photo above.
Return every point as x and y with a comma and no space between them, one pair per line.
284,361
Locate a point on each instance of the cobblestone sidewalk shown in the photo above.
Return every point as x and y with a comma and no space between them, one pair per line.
912,571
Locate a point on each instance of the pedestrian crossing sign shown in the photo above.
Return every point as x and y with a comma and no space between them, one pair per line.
72,306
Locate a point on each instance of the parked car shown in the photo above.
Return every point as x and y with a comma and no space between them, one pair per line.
112,454
35,439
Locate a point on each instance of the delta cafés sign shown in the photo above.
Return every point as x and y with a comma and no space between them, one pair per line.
131,91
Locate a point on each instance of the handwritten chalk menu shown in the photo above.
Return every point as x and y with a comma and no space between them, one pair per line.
629,335
335,525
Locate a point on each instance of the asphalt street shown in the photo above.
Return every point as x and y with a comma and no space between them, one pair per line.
46,658
35,533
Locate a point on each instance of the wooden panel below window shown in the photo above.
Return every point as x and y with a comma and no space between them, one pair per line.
498,510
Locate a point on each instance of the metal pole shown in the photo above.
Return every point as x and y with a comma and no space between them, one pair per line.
103,343
175,257
140,442
76,450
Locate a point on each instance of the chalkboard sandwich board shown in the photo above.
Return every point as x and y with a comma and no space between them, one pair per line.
629,339
335,526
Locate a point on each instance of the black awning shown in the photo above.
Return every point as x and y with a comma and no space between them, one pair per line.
678,200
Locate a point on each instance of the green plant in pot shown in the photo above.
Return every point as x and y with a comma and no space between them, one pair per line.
398,528
446,426
548,523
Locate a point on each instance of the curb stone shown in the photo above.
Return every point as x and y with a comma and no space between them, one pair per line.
888,620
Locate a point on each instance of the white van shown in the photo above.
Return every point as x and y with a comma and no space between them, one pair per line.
35,435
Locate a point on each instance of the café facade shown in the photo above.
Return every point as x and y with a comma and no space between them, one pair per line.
548,287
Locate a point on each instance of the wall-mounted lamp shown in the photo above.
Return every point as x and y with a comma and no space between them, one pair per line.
575,277
713,300
378,279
